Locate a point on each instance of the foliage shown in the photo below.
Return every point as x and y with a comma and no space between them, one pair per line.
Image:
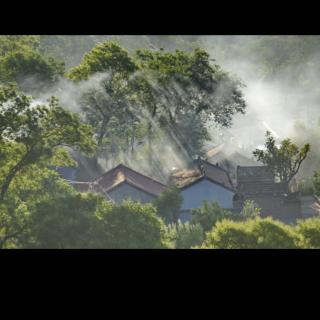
284,160
184,235
175,91
36,134
21,62
14,43
309,233
104,57
251,234
20,203
249,210
210,213
66,221
178,86
169,203
273,234
130,226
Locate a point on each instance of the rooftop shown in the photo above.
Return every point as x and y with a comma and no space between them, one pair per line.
121,173
216,174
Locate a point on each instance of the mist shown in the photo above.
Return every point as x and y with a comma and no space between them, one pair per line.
278,104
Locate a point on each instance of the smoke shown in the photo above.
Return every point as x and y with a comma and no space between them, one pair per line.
286,103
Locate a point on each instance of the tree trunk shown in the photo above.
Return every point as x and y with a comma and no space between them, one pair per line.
11,175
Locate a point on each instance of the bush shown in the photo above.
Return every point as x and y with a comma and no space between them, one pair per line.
229,234
66,221
210,213
169,203
249,210
130,226
184,235
272,234
309,233
251,234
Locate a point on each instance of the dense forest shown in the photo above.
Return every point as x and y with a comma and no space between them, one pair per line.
152,103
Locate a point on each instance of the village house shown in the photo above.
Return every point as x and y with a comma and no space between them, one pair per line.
257,183
121,183
203,182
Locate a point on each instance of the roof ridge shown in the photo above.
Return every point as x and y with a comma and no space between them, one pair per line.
217,167
125,178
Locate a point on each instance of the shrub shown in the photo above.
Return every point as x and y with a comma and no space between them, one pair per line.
130,225
184,235
229,234
251,234
249,210
210,213
169,203
309,233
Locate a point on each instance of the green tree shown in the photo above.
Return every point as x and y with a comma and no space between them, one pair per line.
107,105
228,234
271,234
169,203
66,221
249,210
210,213
184,235
22,62
184,85
251,234
104,57
309,233
36,135
175,91
130,226
34,186
284,160
11,43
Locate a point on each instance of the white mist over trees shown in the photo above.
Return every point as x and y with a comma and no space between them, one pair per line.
152,103
279,72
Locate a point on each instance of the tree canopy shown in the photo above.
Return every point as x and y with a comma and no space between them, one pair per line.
284,160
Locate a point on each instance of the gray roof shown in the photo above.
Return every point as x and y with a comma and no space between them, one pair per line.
254,174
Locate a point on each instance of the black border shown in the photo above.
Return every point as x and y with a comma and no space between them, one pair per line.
160,18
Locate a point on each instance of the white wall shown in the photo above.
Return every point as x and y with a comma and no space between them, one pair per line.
194,195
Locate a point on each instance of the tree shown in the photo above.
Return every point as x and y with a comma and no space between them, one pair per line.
284,160
36,135
104,57
309,233
177,92
107,109
34,186
179,85
130,226
249,210
209,214
169,203
66,221
11,43
228,234
184,235
107,106
251,234
271,234
22,62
